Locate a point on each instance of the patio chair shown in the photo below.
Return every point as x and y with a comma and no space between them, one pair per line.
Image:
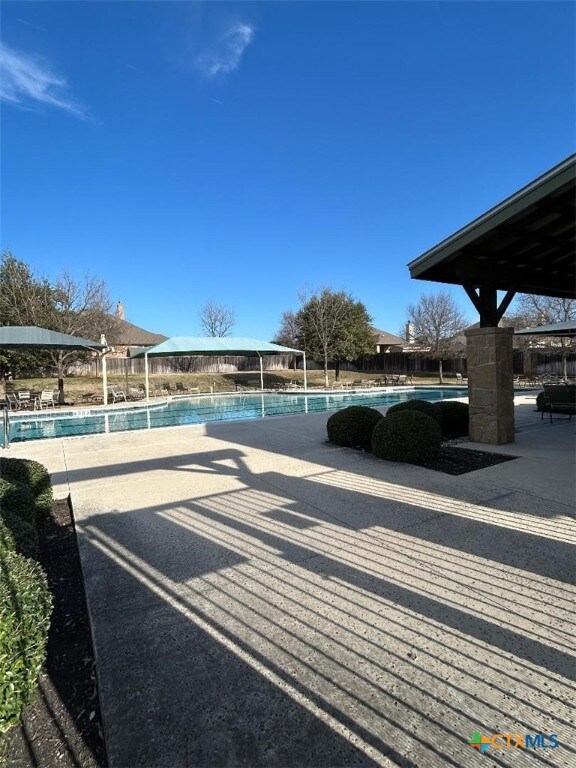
25,399
461,379
46,399
116,393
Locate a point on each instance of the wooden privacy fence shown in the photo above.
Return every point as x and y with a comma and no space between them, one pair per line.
524,362
163,365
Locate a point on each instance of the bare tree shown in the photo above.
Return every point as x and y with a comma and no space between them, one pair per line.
289,332
217,319
531,310
80,308
437,323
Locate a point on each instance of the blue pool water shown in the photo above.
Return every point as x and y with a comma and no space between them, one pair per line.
200,410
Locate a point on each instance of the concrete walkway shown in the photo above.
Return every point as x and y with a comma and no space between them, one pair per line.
261,598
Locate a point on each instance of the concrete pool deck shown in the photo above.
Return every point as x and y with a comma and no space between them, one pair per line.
259,597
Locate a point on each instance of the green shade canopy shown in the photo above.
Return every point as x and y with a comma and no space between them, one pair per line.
216,346
14,336
567,328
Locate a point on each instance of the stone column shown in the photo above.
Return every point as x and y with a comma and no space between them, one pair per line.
490,385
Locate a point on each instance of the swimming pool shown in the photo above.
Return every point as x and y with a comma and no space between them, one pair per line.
201,410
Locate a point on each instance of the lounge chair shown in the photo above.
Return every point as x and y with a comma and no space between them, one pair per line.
116,393
182,389
136,393
13,401
167,389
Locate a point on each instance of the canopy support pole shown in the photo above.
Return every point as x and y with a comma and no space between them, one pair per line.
146,377
305,372
104,379
261,372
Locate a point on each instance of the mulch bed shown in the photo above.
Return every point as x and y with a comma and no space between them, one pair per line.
456,461
62,726
459,461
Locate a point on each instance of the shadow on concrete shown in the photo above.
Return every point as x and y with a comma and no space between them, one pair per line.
230,597
181,689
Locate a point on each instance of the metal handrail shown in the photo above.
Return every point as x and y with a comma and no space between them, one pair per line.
6,422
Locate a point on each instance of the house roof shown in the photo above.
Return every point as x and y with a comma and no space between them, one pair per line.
130,335
383,338
524,244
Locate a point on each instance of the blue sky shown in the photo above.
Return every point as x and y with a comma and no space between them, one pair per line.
247,152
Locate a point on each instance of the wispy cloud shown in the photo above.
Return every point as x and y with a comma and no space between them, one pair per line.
225,55
25,81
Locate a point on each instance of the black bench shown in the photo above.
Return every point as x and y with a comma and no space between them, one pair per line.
559,398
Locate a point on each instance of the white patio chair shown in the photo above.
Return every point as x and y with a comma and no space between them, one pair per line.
46,399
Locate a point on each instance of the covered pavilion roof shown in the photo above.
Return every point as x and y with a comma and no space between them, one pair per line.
525,244
567,328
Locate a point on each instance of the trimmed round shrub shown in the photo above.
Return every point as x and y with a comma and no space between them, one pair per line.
34,475
455,418
25,608
422,406
352,426
406,436
18,514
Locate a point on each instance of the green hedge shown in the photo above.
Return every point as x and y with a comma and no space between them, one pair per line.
25,600
352,426
455,418
406,436
25,607
35,476
422,406
18,514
